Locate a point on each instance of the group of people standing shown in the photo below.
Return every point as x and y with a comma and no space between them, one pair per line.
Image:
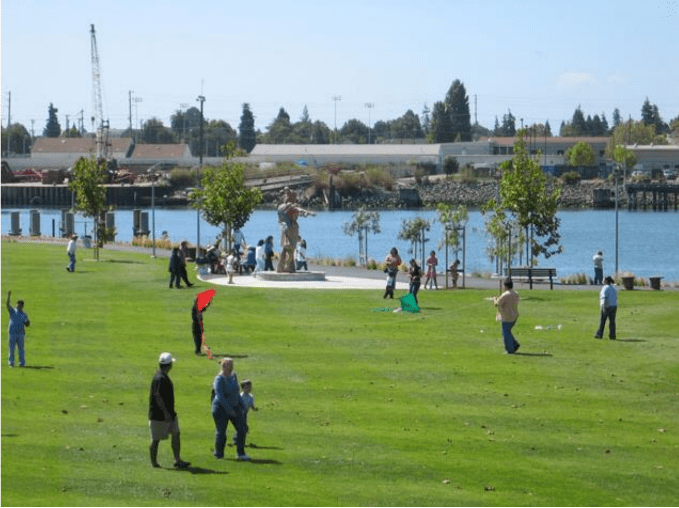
393,261
229,404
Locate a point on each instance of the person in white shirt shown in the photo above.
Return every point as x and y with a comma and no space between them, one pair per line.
259,257
300,255
70,250
608,302
247,403
598,260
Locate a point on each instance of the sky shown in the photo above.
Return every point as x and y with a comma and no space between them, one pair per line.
539,60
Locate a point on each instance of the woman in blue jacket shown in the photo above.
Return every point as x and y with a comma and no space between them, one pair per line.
226,406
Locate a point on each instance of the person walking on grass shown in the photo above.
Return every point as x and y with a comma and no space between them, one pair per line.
248,402
18,319
163,419
183,246
228,407
70,250
608,302
507,313
175,268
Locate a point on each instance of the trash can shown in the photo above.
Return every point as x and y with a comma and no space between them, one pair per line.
87,242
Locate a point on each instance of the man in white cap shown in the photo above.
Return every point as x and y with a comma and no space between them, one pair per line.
162,416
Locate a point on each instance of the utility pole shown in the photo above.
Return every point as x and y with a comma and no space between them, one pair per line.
476,121
369,105
200,99
130,103
184,108
9,119
336,98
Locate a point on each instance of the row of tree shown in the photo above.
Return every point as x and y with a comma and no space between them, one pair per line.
448,121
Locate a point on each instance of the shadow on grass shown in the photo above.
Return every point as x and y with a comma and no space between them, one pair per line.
532,354
125,261
629,340
226,355
195,470
258,461
38,367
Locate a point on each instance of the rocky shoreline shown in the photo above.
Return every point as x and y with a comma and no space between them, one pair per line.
413,195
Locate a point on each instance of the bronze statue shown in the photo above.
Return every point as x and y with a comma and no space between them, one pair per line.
288,211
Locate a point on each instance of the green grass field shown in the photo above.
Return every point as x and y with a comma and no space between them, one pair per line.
357,406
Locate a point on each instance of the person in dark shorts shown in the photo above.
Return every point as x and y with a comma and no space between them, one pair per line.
162,415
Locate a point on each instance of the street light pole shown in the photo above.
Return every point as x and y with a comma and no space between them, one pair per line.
617,173
369,105
200,99
152,172
336,98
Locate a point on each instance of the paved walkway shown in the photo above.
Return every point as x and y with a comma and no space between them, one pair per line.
337,277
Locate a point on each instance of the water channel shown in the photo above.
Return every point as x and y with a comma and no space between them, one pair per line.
648,241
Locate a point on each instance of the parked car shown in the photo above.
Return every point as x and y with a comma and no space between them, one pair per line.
670,174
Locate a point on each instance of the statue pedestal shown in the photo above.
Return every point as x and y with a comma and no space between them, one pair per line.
291,277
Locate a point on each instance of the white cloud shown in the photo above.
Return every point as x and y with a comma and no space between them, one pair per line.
570,80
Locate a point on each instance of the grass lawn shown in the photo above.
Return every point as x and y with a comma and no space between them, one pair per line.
357,406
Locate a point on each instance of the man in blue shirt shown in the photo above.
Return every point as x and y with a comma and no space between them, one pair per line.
18,319
608,298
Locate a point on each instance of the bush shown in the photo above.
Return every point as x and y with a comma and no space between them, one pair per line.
450,165
182,178
571,177
576,279
379,178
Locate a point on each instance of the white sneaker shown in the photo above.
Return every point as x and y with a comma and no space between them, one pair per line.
244,457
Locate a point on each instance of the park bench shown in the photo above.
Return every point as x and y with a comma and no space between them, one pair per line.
534,273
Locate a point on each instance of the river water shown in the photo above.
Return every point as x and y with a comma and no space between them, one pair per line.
648,241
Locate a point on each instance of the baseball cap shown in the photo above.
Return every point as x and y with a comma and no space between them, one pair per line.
165,359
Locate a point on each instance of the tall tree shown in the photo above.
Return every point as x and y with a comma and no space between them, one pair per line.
87,183
441,127
52,129
218,134
617,118
355,131
223,198
457,106
20,140
426,119
155,132
278,131
247,137
407,126
524,194
508,124
320,133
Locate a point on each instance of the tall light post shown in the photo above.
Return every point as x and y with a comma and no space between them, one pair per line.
336,98
369,105
617,174
183,107
200,99
152,172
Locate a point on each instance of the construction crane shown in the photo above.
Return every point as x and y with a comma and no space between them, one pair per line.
100,127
